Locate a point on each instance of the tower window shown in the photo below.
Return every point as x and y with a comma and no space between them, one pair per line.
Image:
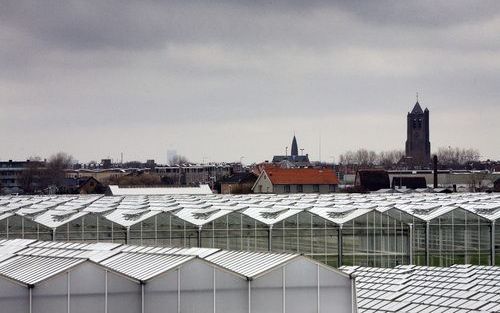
415,123
419,123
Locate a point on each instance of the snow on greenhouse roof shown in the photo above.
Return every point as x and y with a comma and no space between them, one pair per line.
270,216
339,215
130,217
201,217
458,288
54,211
56,218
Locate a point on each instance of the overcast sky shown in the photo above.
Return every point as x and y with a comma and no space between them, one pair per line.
218,80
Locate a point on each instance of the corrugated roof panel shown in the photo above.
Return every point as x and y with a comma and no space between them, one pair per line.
33,269
144,266
247,263
56,218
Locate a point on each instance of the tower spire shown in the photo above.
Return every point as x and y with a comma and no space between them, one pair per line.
295,147
417,96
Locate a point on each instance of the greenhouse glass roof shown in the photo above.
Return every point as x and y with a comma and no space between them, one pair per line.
54,211
407,288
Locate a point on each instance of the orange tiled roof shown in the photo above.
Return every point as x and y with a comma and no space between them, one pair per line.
302,176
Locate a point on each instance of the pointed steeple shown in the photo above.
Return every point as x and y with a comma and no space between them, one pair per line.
295,147
417,109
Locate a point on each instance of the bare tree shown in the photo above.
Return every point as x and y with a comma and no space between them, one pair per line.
57,163
364,157
457,157
388,159
359,157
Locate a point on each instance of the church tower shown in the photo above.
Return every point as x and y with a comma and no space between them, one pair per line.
418,146
295,148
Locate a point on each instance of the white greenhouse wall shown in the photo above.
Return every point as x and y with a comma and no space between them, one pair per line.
51,295
299,286
13,297
335,291
231,293
87,289
161,293
196,287
124,295
267,293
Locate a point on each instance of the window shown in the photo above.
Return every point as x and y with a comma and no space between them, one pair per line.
300,188
315,188
287,188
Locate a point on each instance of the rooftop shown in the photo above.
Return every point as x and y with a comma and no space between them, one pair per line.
59,210
30,262
304,176
408,288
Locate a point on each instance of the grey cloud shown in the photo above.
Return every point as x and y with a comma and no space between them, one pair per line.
179,68
153,24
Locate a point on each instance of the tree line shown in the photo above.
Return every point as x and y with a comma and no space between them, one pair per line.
39,176
452,157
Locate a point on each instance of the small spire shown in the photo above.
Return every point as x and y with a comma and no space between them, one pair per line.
417,96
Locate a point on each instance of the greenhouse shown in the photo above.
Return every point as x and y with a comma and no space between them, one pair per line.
382,230
39,276
405,288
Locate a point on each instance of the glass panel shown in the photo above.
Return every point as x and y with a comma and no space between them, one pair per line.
90,227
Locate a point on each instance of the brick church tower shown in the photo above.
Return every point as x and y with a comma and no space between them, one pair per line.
418,146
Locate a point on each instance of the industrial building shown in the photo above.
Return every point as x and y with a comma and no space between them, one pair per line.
383,230
37,276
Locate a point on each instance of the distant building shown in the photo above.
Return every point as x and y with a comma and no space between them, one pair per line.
296,180
416,182
192,174
99,174
372,179
418,146
11,175
294,159
106,163
238,183
82,185
462,180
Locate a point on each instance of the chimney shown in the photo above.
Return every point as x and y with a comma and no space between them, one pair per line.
435,160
